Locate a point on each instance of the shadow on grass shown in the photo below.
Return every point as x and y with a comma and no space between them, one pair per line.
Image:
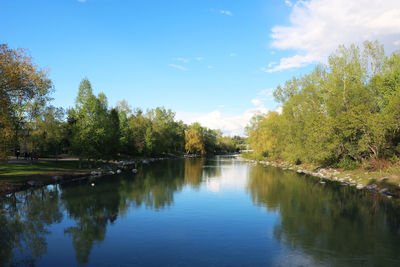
15,172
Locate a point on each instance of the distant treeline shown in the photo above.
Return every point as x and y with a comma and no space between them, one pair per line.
343,113
91,129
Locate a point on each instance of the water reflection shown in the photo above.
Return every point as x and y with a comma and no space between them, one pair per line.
25,216
319,225
24,221
194,171
92,208
333,224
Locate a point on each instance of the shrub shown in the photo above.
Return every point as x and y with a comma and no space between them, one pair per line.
379,164
347,163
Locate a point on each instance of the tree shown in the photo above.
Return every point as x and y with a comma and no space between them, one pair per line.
112,145
90,124
266,138
47,131
166,132
291,87
194,143
126,139
24,88
345,110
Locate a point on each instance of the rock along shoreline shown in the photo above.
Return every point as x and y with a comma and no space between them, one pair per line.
331,175
116,167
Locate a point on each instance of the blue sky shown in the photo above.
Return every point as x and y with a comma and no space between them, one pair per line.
211,61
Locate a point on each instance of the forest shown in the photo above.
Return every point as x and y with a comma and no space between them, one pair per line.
345,113
91,129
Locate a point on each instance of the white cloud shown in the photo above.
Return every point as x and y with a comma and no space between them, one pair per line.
288,3
266,92
225,182
396,43
182,59
230,125
199,58
211,67
271,64
226,12
178,67
256,101
262,96
232,54
318,27
296,61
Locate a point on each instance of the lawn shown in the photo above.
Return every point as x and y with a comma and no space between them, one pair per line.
18,172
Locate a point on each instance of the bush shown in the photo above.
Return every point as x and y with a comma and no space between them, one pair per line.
393,159
251,156
347,164
379,164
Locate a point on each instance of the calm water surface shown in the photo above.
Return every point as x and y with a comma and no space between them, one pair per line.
199,212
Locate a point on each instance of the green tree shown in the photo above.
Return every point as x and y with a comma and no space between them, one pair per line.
345,110
112,145
47,132
24,88
91,125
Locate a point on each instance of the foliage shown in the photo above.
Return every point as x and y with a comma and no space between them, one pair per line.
194,143
97,132
340,113
91,129
47,132
95,129
24,89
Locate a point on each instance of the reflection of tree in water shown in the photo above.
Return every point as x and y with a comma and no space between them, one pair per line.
197,169
24,221
194,171
154,186
327,222
212,167
24,218
93,208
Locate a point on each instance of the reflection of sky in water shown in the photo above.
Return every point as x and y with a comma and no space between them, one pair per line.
230,178
206,213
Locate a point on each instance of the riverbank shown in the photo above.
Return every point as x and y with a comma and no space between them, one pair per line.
386,183
22,175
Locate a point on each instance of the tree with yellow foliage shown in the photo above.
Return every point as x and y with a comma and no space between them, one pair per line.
194,143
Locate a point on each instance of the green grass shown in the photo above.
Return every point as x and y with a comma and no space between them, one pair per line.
16,172
252,156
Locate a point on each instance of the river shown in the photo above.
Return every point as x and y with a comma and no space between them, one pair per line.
199,212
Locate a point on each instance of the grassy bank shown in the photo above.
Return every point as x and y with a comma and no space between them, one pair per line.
20,175
387,178
20,171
